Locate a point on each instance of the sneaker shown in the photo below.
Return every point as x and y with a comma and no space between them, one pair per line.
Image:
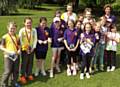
23,80
58,69
74,72
30,77
17,85
82,76
108,69
43,73
101,67
113,68
51,74
68,72
36,74
87,75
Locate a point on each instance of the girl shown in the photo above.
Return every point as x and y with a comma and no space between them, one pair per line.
111,48
28,39
88,17
71,43
10,45
57,44
97,38
42,45
87,40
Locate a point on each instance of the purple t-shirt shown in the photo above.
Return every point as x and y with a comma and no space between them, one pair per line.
42,34
55,34
71,36
90,36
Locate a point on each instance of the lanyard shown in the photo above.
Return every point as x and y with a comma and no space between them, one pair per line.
28,38
16,44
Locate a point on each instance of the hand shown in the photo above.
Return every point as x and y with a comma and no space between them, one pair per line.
60,39
69,49
45,42
32,50
40,41
19,51
88,40
49,40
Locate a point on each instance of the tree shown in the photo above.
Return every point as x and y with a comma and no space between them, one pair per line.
7,6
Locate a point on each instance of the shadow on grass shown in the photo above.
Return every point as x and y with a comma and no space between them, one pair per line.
41,9
20,14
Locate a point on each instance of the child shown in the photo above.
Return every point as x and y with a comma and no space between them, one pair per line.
102,42
28,39
71,43
10,45
57,44
97,38
111,48
42,45
69,15
88,17
87,41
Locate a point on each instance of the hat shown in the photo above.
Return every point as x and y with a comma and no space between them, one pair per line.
56,19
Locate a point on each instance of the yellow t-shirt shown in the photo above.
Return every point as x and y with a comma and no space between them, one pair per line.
8,43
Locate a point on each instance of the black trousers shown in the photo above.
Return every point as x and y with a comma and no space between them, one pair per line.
86,60
111,58
27,63
71,55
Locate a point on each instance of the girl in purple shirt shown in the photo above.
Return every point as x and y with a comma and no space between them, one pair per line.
57,44
42,45
87,41
71,43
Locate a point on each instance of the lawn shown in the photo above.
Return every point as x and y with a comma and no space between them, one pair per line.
101,79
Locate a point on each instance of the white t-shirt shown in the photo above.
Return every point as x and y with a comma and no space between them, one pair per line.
65,17
111,44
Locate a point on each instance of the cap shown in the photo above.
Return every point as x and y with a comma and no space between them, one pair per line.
56,19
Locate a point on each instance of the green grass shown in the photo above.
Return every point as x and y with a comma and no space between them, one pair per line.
101,79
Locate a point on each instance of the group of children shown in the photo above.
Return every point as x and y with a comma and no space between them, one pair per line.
80,37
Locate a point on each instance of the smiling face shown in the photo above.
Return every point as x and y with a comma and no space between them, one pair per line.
12,28
43,24
71,24
88,27
107,10
88,14
28,23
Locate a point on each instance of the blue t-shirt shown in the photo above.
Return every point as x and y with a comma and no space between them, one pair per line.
42,34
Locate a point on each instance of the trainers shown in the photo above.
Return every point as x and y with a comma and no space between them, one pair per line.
30,77
87,75
58,69
23,80
102,67
74,72
36,74
17,85
108,69
51,74
82,76
43,73
68,72
113,68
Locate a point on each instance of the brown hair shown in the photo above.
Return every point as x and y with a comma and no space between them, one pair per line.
107,5
27,18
